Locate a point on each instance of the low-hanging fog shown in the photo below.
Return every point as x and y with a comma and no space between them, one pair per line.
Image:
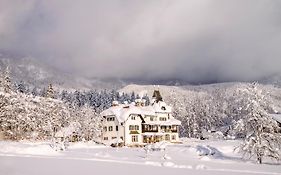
195,41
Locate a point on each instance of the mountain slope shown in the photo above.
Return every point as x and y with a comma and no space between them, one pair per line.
36,73
183,94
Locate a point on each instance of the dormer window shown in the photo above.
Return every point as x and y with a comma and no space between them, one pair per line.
110,119
133,117
163,108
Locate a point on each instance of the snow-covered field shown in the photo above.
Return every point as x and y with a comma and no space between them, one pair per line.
191,157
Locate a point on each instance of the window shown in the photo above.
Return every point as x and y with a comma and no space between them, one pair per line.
134,127
110,128
174,128
113,138
105,128
133,117
105,138
152,128
163,119
163,108
110,118
173,137
116,128
151,118
134,138
167,137
121,138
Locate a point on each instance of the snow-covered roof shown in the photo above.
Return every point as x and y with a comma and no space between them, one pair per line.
122,112
161,107
276,117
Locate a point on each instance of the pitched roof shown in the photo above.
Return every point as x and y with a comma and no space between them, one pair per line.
122,111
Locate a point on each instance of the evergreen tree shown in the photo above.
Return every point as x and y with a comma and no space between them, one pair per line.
34,91
133,97
146,98
63,95
5,81
113,95
50,93
76,99
21,87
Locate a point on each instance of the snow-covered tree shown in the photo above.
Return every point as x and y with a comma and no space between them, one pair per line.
133,97
262,139
50,93
21,87
147,100
5,81
34,91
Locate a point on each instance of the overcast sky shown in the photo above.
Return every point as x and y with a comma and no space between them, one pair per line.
193,40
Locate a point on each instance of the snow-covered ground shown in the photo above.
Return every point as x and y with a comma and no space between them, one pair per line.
191,157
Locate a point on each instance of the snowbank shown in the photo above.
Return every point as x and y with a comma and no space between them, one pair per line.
157,146
27,148
83,145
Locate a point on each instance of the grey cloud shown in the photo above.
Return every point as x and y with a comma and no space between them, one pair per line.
195,41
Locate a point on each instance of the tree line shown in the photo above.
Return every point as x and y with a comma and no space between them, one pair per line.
44,114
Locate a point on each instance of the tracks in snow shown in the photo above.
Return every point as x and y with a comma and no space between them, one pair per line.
145,163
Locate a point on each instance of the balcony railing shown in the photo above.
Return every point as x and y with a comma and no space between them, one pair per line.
156,128
143,131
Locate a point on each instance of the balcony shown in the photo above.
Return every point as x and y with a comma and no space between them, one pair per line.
149,128
169,129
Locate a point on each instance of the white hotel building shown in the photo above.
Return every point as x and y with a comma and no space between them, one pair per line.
137,124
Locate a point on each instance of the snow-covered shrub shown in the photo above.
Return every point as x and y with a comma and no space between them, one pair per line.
59,145
158,146
212,135
202,150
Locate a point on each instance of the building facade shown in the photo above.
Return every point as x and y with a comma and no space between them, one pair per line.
137,124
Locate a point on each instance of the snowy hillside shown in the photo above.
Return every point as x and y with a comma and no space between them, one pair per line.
181,93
